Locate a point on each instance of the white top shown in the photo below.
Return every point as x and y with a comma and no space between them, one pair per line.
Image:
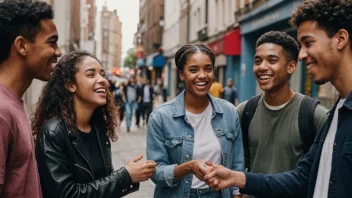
146,94
206,144
323,178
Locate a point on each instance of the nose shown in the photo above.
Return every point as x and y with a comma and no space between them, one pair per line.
302,54
58,52
263,66
202,74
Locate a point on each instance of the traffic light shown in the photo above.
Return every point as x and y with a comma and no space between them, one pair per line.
116,71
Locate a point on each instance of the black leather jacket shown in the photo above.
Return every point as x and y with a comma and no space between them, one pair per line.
64,172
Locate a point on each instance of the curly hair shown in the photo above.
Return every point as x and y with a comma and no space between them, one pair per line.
289,44
21,18
183,53
330,15
57,101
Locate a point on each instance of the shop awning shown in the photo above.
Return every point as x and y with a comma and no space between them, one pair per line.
159,60
140,62
232,43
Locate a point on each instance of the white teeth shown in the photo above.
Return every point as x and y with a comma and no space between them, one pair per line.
100,90
310,65
265,77
201,83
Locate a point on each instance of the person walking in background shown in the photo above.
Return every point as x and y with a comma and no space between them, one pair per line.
216,89
230,92
120,100
324,33
28,48
73,124
132,100
191,128
279,126
158,92
146,100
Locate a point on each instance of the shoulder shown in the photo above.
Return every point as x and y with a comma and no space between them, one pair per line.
164,109
320,112
54,127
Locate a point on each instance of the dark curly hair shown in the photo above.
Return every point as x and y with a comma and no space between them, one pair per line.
330,15
183,53
21,18
57,101
289,44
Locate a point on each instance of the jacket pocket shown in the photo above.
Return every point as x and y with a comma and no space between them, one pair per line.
174,148
347,162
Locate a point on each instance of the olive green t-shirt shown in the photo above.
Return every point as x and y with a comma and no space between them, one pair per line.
275,143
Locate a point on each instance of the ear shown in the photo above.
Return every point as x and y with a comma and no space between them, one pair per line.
20,45
291,67
342,37
71,87
181,74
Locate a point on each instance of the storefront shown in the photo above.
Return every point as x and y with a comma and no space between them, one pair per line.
232,50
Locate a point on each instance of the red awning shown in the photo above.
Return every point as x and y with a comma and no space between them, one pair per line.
232,43
217,47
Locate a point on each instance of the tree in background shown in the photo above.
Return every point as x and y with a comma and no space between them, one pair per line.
131,59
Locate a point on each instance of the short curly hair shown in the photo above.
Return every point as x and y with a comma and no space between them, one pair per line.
330,15
21,18
289,44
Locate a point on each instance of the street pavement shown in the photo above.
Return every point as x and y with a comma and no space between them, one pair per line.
128,145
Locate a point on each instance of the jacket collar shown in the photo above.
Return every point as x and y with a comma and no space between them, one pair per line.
178,106
347,103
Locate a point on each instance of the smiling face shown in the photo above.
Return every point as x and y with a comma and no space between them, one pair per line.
91,85
271,68
317,52
43,52
198,74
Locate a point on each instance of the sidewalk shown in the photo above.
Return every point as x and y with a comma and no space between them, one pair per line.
125,148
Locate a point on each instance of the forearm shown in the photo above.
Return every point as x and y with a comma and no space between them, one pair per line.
182,170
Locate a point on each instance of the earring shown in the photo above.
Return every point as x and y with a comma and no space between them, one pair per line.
73,90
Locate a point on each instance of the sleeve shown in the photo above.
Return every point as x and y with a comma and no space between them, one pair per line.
238,155
288,184
57,178
156,150
320,117
5,139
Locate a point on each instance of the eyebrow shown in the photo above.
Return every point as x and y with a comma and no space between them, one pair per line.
270,56
305,37
93,69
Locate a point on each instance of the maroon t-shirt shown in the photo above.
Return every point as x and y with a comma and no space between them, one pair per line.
18,168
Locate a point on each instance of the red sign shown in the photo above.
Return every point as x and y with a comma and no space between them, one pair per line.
232,43
217,47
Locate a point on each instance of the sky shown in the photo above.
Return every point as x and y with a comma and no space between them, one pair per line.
128,11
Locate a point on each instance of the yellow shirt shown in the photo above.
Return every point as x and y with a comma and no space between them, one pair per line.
216,89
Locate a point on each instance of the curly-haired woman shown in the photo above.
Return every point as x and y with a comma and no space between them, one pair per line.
74,120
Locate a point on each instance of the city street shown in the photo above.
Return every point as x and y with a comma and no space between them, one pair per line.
127,146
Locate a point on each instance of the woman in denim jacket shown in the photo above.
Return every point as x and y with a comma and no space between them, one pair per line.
192,128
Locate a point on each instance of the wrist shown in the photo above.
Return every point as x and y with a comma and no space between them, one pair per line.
238,179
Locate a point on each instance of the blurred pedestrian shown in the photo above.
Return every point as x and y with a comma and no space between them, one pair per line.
216,89
230,92
146,100
120,100
191,128
28,48
132,99
158,91
74,123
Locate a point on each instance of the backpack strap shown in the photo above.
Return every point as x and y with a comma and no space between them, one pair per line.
306,122
247,116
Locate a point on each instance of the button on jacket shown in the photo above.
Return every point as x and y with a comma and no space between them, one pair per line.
64,172
301,181
170,142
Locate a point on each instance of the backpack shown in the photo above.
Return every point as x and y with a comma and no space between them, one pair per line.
305,123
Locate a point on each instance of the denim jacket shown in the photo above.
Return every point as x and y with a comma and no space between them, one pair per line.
170,142
301,181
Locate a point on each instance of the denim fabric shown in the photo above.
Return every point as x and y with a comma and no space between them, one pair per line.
301,181
130,108
204,193
170,142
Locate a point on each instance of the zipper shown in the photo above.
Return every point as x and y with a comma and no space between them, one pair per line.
92,174
84,169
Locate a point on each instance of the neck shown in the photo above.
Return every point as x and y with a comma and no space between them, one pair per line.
195,104
14,77
83,115
342,79
279,97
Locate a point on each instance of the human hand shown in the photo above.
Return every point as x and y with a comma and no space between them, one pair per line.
221,177
140,170
199,169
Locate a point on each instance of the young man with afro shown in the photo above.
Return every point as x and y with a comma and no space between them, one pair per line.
324,33
28,49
